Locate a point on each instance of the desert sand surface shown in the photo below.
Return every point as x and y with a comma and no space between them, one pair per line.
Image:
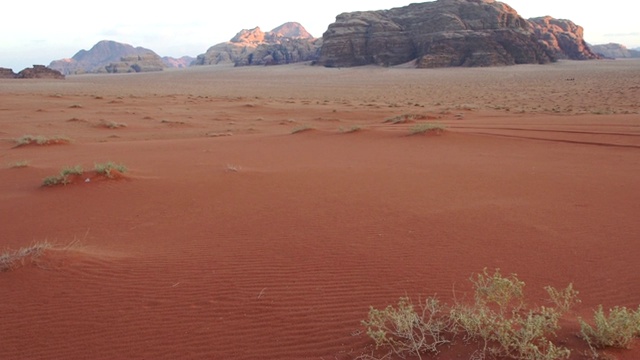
235,236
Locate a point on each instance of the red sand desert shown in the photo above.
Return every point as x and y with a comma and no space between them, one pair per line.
232,237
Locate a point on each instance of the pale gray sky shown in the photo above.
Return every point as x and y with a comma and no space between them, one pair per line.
37,32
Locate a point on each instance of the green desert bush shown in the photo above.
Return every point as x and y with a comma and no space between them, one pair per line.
10,260
424,128
106,168
63,176
617,329
41,140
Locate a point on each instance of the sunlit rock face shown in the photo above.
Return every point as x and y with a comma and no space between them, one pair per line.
446,33
288,43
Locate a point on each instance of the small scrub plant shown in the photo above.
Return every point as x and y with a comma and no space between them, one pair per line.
10,260
41,140
107,168
63,176
424,128
617,329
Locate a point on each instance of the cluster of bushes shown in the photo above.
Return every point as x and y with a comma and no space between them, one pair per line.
498,321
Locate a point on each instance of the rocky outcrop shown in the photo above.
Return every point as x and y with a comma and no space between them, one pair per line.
288,43
440,34
7,73
563,37
39,72
138,63
615,51
101,55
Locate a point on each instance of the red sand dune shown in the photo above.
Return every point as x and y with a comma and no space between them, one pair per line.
231,238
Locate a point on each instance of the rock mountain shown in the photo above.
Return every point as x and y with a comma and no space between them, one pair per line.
446,33
288,43
110,56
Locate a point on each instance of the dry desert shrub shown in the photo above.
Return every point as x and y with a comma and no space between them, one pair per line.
10,260
107,168
352,129
41,140
404,118
424,128
617,329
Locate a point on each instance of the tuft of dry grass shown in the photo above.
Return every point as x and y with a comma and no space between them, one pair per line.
41,140
10,260
300,129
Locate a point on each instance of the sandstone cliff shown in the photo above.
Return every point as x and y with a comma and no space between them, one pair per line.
285,44
615,51
96,60
179,63
443,33
7,73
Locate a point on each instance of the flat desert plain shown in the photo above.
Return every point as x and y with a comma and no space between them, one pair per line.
265,209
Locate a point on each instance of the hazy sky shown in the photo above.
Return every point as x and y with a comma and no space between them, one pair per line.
37,32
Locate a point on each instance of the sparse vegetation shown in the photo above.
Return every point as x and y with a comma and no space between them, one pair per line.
41,140
233,168
424,128
617,329
300,129
404,118
107,168
63,176
10,260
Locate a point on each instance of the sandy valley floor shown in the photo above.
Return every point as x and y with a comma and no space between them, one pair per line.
232,237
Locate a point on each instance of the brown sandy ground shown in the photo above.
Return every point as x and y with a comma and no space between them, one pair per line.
232,238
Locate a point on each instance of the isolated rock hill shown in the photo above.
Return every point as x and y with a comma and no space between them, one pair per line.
288,43
35,72
449,33
117,56
615,51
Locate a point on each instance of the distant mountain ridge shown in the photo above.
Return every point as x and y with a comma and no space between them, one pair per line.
109,56
616,51
287,43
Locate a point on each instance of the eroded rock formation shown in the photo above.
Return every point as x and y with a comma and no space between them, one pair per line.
615,51
137,63
563,37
